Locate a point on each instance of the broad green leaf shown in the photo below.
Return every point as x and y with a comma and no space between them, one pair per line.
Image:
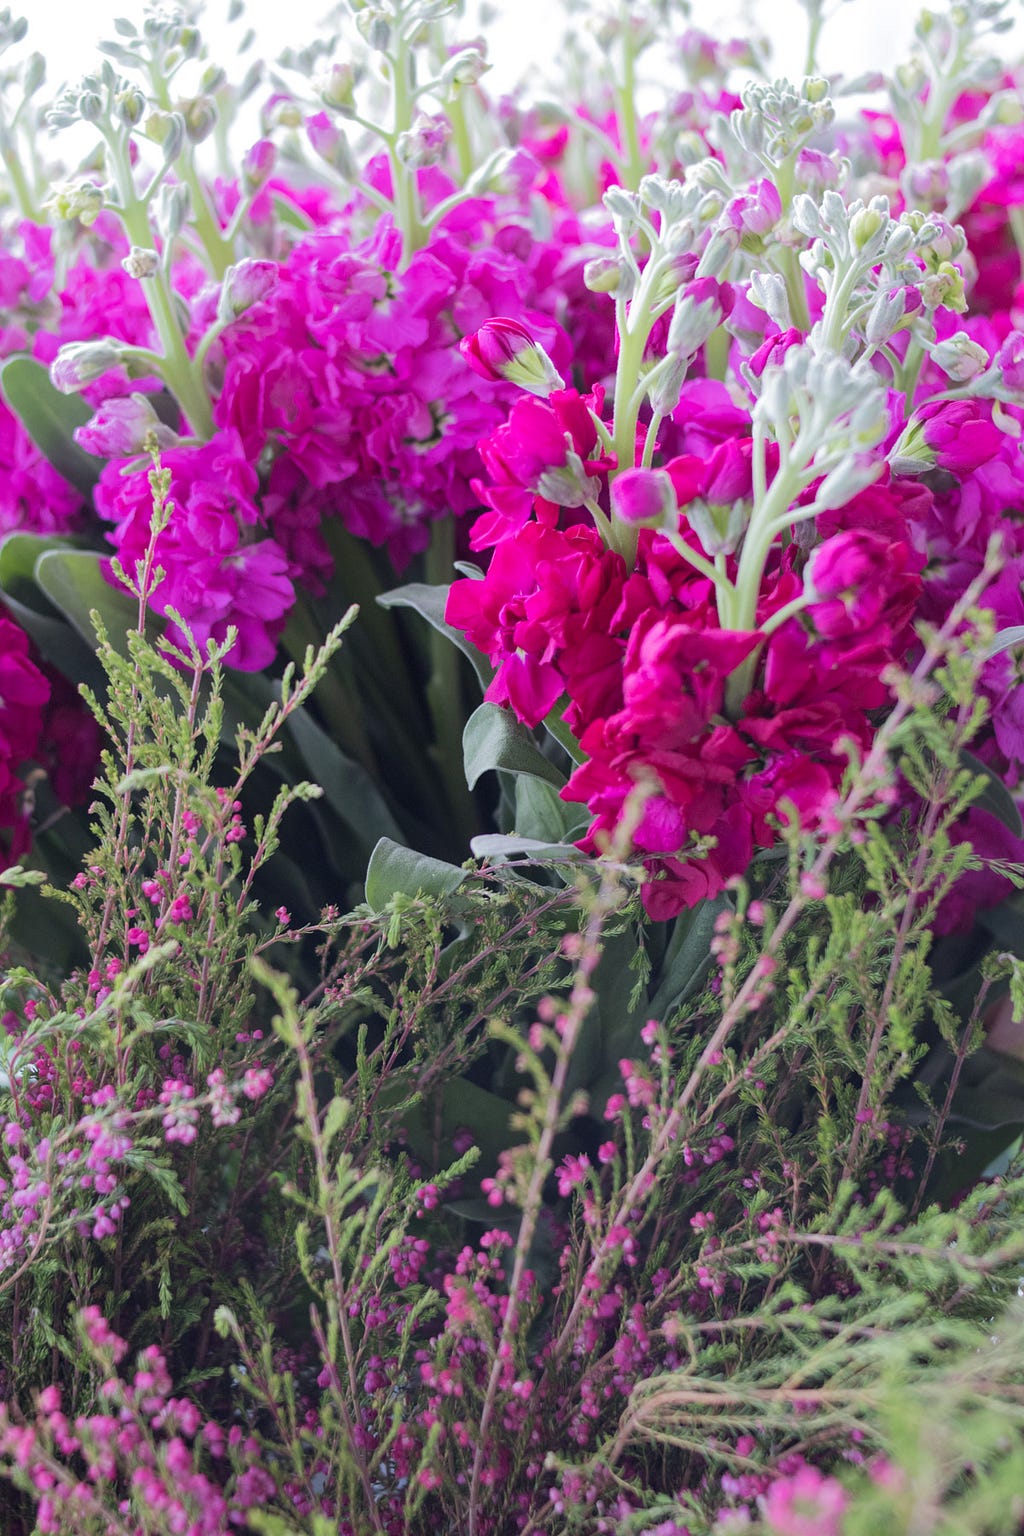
49,419
459,1104
687,961
73,581
995,797
347,787
394,870
494,739
541,813
58,642
429,602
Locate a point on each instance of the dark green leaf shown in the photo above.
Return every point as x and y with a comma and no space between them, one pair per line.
429,602
74,583
347,787
494,739
49,419
995,797
394,870
541,813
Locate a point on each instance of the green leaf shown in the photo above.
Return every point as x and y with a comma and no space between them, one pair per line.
429,602
347,787
49,419
995,797
542,814
459,1104
394,870
58,642
494,739
687,962
73,581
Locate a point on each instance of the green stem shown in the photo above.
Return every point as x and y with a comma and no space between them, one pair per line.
444,695
815,20
219,250
716,353
631,160
178,370
461,140
404,191
911,371
19,185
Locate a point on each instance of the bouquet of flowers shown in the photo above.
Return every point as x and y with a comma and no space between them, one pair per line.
526,1038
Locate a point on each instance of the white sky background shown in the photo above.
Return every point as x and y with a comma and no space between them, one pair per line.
523,41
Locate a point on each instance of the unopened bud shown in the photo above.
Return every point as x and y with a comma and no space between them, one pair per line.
245,284
698,311
718,252
425,143
81,200
129,105
173,205
768,291
603,274
467,67
200,117
814,89
168,130
865,226
336,89
124,426
960,357
80,362
503,349
141,262
258,164
644,497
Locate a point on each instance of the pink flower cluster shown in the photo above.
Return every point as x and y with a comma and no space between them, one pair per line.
637,664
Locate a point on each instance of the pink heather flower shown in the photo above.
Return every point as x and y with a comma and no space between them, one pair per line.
503,349
807,1503
256,1082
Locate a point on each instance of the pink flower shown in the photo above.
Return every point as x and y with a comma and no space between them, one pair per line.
806,1503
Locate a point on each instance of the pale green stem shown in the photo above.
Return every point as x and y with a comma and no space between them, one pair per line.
651,440
219,250
716,354
461,140
911,371
835,318
631,159
176,367
404,190
815,20
701,563
19,184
